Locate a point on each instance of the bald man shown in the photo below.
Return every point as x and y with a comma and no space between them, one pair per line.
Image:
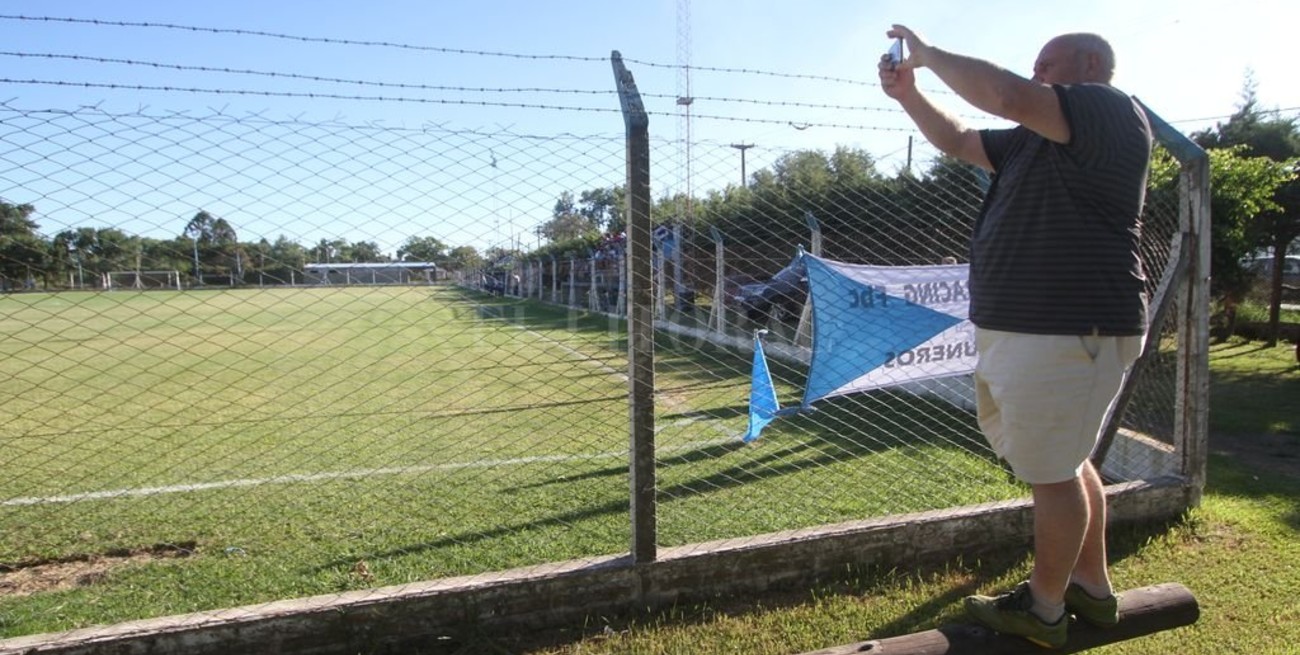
1057,295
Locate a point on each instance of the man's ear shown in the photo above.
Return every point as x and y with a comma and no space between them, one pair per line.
1093,67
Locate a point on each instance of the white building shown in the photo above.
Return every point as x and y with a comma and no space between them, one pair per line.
346,273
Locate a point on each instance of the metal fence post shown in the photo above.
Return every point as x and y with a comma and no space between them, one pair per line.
803,333
573,281
1194,365
640,315
718,308
555,280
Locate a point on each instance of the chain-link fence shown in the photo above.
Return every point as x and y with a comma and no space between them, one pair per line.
250,359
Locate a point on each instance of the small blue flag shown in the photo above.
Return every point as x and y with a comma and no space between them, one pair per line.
763,406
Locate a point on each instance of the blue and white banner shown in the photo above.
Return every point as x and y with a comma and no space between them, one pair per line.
874,327
878,326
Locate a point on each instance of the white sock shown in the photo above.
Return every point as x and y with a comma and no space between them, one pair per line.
1096,591
1048,612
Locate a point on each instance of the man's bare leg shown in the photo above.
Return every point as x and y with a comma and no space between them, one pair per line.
1091,570
1061,522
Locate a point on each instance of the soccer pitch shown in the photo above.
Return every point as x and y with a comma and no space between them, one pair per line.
291,441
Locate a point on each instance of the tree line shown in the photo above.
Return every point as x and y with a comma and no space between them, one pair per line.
865,216
208,249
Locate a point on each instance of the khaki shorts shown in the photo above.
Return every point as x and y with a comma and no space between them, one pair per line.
1042,399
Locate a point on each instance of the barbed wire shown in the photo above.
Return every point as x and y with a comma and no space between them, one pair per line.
1279,110
783,103
425,87
422,48
259,118
800,124
752,71
484,53
296,76
295,94
292,37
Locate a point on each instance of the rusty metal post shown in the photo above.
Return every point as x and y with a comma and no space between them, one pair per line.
640,315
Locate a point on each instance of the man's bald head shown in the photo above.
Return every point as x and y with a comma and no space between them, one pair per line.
1075,59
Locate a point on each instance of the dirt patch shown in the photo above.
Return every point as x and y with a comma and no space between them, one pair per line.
1272,453
26,578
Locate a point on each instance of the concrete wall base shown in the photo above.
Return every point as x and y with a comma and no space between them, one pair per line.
560,594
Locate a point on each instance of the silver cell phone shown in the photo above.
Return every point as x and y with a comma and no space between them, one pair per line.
896,52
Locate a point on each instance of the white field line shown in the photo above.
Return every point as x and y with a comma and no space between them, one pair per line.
318,477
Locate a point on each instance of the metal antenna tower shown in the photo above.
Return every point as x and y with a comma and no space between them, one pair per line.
684,102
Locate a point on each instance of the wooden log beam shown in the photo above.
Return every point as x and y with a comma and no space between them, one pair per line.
1142,611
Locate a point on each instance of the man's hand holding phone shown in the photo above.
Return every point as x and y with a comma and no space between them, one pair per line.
896,79
908,50
896,53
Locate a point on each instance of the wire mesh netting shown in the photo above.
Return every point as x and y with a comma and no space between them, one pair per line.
910,442
249,359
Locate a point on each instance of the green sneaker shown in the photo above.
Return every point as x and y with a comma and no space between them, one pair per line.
1101,612
1009,614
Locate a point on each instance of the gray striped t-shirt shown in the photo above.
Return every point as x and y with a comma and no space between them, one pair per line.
1055,248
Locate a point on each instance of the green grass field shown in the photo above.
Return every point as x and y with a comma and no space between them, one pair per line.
208,449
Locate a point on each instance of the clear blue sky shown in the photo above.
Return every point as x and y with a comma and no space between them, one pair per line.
1187,59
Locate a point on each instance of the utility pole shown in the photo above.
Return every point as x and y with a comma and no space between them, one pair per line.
742,147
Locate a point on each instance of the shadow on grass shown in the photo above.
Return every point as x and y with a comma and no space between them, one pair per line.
709,453
1238,349
1226,478
1266,378
1230,477
682,356
822,444
1254,419
842,429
